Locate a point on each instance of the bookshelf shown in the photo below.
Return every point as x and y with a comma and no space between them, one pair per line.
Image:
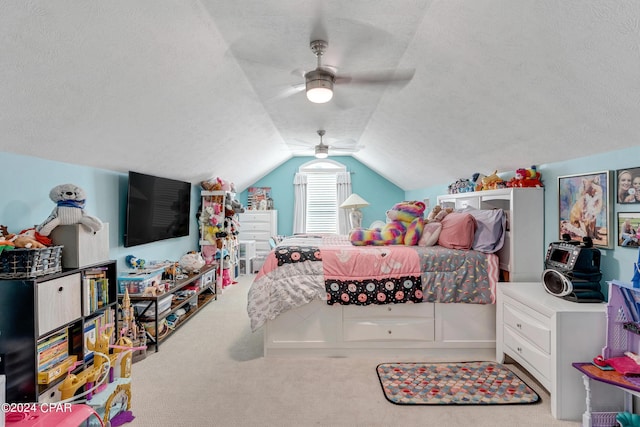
44,326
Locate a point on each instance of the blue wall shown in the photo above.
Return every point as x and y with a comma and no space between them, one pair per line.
616,263
25,203
378,191
24,200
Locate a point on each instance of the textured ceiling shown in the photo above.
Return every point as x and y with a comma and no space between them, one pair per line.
191,89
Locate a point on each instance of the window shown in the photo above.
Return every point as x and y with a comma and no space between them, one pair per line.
321,185
322,203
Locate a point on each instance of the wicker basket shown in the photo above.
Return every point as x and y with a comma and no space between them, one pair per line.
604,419
23,263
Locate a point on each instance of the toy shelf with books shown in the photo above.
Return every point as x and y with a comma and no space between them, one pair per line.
170,303
44,327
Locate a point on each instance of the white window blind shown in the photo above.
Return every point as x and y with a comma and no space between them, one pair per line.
322,203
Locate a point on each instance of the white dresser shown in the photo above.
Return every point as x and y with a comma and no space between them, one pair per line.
545,334
258,225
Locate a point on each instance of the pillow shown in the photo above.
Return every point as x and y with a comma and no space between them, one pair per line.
458,230
430,234
490,233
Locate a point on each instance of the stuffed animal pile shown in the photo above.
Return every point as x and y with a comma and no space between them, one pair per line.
404,227
69,200
28,239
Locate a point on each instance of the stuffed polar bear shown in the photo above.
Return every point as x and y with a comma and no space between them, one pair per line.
69,200
404,226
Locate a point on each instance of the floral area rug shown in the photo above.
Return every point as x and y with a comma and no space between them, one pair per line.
470,383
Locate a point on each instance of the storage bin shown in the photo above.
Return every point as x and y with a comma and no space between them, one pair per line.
164,304
23,263
137,281
604,419
81,247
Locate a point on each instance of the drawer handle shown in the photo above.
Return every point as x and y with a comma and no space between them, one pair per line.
389,331
519,349
519,325
61,288
388,308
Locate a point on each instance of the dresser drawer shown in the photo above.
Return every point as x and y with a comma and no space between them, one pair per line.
255,226
388,311
255,217
536,331
523,351
59,302
258,236
400,329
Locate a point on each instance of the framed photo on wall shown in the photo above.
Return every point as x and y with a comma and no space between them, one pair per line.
629,229
628,185
585,207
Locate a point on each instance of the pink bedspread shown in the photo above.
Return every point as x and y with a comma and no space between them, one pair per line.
329,267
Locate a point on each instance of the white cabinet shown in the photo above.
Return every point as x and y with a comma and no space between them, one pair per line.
545,334
259,225
522,256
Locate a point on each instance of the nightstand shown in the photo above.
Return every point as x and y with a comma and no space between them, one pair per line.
545,334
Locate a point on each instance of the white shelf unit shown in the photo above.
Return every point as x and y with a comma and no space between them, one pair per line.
259,225
522,256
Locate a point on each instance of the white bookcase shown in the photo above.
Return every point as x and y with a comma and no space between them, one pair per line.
522,256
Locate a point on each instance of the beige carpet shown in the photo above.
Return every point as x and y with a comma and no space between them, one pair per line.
211,373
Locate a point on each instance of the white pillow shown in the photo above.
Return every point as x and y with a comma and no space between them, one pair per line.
430,234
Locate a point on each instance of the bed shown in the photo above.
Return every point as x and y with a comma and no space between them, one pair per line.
321,296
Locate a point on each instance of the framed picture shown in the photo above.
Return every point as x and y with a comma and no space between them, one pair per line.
259,198
628,185
585,208
629,229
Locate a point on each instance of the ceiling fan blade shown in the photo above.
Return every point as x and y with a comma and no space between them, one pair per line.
288,91
386,77
300,143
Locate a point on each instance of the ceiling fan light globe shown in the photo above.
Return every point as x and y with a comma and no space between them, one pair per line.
319,86
319,95
322,151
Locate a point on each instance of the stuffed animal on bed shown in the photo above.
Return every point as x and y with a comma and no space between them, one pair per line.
69,200
404,226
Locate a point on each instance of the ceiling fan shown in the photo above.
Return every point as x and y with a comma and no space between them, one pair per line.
321,150
319,82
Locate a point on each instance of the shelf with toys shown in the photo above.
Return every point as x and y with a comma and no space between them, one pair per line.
219,229
49,324
162,305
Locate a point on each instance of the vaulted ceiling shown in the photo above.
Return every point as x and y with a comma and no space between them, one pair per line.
195,89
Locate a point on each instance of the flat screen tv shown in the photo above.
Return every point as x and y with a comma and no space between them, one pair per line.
157,209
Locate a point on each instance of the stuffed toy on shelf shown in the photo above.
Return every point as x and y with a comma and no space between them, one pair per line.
69,200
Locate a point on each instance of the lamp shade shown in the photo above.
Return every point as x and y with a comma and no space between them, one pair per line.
354,201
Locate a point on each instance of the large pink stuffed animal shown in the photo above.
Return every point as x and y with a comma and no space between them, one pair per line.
404,226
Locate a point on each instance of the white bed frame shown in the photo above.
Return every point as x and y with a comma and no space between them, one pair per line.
448,332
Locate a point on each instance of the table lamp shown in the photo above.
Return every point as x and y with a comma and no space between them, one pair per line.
354,203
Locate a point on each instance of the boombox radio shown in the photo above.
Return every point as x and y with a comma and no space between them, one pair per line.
572,271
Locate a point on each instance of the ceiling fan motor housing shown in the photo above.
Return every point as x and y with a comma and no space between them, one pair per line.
319,79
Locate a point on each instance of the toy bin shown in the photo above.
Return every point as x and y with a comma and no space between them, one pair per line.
23,263
137,281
